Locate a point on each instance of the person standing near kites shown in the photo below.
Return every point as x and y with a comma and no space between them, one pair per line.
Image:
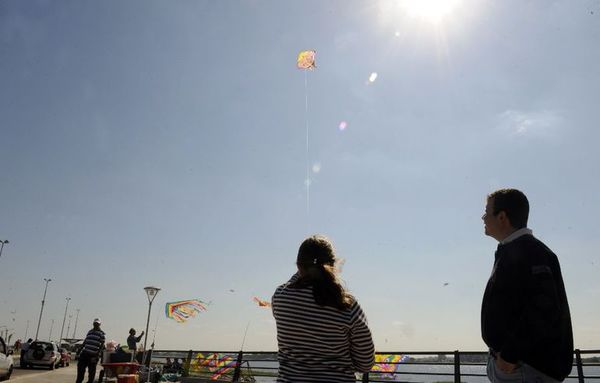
322,332
132,341
525,319
90,352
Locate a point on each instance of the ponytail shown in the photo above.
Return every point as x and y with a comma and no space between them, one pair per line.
316,264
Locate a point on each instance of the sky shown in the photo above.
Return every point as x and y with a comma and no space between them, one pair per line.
165,143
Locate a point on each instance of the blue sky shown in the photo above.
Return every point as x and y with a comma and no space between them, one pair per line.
164,143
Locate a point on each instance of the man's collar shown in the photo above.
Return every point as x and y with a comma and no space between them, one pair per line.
516,234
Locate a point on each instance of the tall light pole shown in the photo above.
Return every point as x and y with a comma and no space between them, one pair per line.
47,280
64,319
151,292
69,325
75,329
50,334
2,243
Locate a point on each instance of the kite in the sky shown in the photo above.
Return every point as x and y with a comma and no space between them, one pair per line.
261,302
181,311
306,60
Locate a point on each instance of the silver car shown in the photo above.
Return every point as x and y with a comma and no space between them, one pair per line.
6,361
43,354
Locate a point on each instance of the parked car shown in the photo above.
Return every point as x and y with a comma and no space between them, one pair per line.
6,361
65,357
44,354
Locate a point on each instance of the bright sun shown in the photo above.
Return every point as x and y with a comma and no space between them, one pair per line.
433,11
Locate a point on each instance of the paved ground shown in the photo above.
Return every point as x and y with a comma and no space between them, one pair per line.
61,375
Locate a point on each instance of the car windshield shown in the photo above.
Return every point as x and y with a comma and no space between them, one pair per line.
43,345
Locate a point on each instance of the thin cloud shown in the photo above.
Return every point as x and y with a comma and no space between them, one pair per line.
518,123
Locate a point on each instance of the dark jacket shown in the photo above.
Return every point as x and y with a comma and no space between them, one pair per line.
525,314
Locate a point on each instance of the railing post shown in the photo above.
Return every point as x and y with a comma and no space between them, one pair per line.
187,363
365,377
579,366
238,367
456,366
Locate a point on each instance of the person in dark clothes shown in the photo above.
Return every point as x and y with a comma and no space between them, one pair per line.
525,318
132,340
24,349
90,352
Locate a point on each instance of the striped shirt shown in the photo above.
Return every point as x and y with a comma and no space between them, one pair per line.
319,343
94,342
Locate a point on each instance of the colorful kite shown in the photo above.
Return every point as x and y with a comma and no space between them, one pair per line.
388,363
261,302
181,311
306,60
216,364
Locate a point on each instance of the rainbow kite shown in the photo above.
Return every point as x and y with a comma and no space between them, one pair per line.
388,363
181,311
216,364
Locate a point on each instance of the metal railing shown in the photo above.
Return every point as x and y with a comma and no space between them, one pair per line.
447,366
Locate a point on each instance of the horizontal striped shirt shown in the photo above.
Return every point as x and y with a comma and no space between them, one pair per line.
94,342
319,343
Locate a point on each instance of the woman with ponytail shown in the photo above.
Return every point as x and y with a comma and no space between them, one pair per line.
322,331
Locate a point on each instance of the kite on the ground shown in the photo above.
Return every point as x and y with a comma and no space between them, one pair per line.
181,311
389,363
261,302
306,60
215,363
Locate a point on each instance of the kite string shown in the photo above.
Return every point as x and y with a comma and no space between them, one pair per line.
244,339
307,153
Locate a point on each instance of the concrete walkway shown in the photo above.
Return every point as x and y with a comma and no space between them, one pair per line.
61,375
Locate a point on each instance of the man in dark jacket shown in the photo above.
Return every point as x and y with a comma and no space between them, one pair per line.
90,352
525,319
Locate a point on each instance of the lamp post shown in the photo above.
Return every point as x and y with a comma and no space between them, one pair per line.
50,334
69,325
76,320
47,280
151,292
2,243
64,319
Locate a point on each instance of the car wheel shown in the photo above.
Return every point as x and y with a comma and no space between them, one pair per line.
52,366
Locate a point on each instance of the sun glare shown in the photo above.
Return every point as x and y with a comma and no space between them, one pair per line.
433,11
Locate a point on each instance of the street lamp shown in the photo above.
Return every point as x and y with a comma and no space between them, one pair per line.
50,334
2,243
76,320
69,325
151,292
64,318
47,280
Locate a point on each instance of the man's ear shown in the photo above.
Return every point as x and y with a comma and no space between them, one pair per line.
504,218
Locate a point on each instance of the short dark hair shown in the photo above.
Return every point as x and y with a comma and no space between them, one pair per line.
514,203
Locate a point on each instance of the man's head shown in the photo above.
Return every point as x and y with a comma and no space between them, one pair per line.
506,210
132,331
97,323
